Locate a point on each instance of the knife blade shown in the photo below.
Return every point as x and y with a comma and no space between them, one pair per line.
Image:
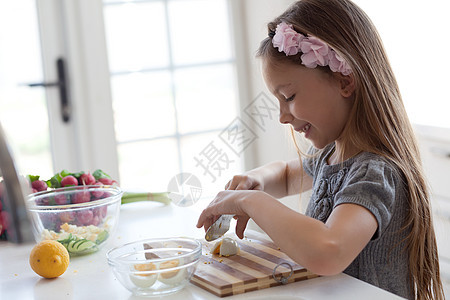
218,228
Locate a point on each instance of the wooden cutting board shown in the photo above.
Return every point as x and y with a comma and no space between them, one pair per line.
251,269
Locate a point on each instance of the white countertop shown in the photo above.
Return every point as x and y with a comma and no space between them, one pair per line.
89,277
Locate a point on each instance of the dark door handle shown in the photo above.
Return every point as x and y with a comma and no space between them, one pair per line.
62,85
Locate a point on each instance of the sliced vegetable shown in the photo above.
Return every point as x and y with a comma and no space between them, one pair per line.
81,246
129,197
75,245
102,236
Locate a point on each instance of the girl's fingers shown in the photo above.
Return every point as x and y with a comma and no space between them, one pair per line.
206,219
202,219
239,182
199,223
243,185
240,226
205,223
232,184
227,186
248,185
208,224
226,202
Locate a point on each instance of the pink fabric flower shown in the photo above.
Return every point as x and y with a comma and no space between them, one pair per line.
315,52
286,39
338,64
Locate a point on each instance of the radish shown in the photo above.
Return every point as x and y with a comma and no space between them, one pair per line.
61,199
81,197
39,185
106,181
87,179
100,212
69,181
44,201
85,217
4,221
97,193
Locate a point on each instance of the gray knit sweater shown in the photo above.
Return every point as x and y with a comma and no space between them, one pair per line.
373,182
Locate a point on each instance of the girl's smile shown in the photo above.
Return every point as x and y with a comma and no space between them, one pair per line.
304,129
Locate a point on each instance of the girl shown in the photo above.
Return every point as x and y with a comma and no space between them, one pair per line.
369,215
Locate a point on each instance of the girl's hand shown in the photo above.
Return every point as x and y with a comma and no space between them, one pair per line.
232,202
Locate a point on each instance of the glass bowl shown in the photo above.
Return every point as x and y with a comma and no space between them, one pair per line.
82,218
155,267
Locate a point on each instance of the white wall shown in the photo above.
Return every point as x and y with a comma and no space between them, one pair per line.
274,143
435,149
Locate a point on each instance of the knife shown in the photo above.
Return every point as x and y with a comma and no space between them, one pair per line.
219,228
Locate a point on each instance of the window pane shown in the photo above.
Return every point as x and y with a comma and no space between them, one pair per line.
143,105
200,31
206,97
148,165
136,36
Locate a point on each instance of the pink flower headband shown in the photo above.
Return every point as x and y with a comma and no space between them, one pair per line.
315,51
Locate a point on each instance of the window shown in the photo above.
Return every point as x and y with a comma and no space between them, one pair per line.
173,86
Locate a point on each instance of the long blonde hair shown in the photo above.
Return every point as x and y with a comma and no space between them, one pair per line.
378,122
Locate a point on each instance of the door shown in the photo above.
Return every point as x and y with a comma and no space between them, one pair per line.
31,117
34,37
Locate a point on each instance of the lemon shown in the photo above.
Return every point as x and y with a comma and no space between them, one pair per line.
49,259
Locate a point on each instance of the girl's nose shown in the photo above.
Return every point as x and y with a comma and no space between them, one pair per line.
285,116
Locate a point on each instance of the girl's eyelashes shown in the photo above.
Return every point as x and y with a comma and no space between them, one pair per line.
290,98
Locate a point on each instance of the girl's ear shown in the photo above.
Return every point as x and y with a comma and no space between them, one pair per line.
347,84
